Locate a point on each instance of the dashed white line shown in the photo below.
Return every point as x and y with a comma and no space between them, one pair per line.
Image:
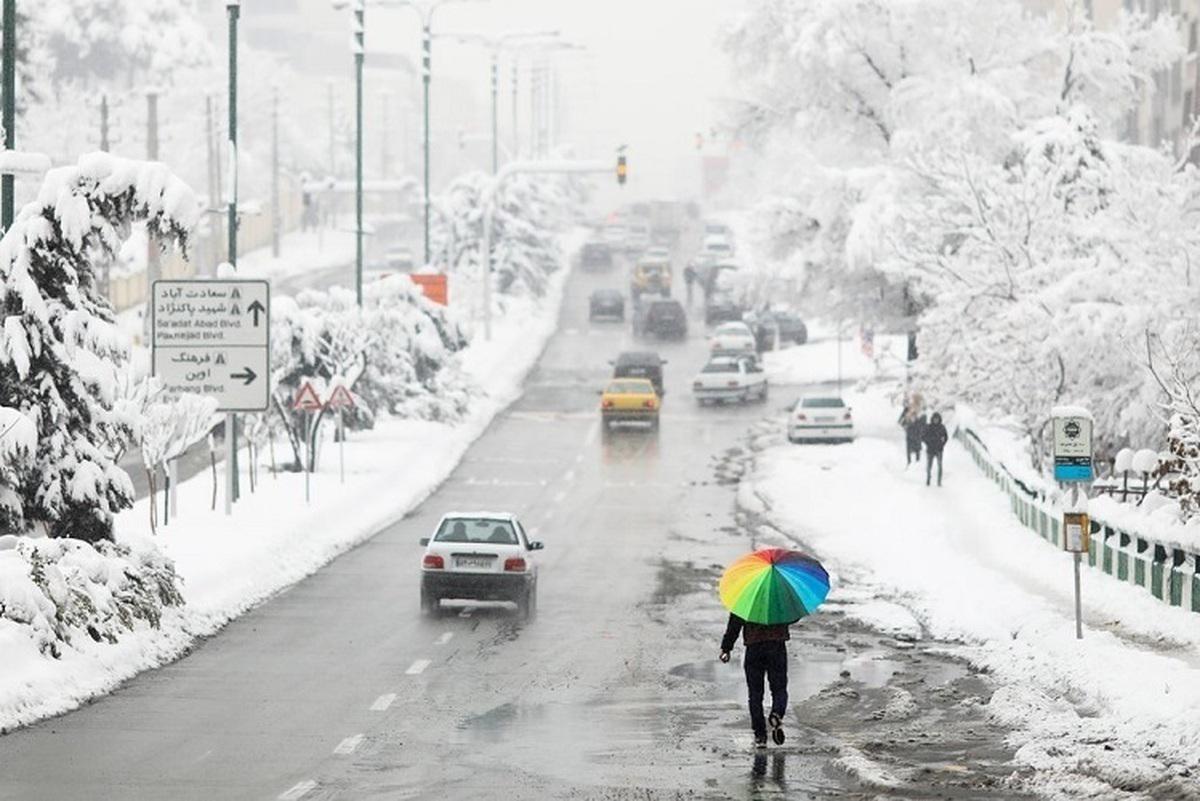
383,702
348,745
418,667
299,790
445,638
466,612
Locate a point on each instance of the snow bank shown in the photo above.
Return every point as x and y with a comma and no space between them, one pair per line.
273,539
1124,697
817,361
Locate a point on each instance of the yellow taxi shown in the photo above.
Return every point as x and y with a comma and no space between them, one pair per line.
651,276
629,400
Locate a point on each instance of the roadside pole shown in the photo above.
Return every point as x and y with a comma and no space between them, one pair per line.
307,402
8,77
1073,465
489,210
341,399
359,58
233,7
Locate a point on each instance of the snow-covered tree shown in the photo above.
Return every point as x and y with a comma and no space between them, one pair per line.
167,426
61,351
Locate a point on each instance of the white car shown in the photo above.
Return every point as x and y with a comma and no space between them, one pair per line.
732,338
480,556
716,247
730,378
637,237
820,419
656,254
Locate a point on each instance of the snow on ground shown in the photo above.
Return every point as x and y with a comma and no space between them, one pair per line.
1116,707
274,539
301,252
817,361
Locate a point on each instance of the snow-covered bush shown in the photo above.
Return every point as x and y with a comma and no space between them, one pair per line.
392,353
167,426
61,353
530,212
64,590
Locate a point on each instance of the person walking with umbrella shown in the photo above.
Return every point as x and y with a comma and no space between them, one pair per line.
765,592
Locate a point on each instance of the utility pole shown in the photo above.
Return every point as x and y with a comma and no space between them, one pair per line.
153,257
332,133
386,126
231,432
104,144
426,68
360,7
8,76
495,110
516,107
275,213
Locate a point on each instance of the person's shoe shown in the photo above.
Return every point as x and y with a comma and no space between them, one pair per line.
760,741
776,723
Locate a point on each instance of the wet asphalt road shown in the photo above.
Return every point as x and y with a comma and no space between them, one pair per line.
339,688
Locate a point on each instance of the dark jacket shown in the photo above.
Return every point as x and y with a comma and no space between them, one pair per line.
935,435
752,633
914,430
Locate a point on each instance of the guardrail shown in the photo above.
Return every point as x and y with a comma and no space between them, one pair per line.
1168,572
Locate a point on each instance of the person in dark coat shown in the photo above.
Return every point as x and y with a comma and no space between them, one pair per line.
913,422
935,437
689,280
766,658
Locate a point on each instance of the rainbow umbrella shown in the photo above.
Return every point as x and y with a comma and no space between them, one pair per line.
774,586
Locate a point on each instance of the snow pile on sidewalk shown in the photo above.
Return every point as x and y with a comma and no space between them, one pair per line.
817,362
227,565
1115,710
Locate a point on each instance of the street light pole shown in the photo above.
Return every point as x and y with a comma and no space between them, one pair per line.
495,111
426,75
231,447
359,58
8,75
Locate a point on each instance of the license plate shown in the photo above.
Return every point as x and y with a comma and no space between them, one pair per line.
824,419
473,561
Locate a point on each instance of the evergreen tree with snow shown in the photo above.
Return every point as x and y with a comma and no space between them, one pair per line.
61,353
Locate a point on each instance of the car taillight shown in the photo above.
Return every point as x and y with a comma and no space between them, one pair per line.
606,404
649,404
514,565
433,562
801,417
697,385
731,383
847,417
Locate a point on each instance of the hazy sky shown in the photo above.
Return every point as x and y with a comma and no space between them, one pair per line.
648,78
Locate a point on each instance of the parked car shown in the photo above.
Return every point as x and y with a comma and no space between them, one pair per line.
606,303
730,378
637,237
663,318
480,556
651,276
716,247
596,256
787,323
641,364
732,338
720,308
820,419
629,400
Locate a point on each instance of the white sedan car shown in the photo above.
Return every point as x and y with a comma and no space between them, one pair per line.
820,419
732,338
730,378
480,556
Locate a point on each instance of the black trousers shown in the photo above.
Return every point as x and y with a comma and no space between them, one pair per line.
929,457
766,660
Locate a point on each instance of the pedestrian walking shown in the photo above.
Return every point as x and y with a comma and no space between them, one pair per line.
689,280
765,663
935,438
912,420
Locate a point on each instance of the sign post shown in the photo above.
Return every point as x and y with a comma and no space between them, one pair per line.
341,399
1073,465
308,401
213,337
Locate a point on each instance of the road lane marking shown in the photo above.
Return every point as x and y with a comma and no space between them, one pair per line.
418,667
593,430
466,612
348,745
300,790
383,702
560,496
445,638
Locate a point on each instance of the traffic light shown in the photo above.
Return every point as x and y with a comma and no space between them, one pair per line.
622,170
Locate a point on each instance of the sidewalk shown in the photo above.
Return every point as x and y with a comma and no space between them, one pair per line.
1115,709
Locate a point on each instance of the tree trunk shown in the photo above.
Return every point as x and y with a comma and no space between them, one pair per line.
153,500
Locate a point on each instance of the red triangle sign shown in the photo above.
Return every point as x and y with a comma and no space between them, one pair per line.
340,398
307,399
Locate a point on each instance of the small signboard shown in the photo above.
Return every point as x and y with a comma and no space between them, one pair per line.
1077,532
434,285
214,338
1072,446
307,399
340,399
